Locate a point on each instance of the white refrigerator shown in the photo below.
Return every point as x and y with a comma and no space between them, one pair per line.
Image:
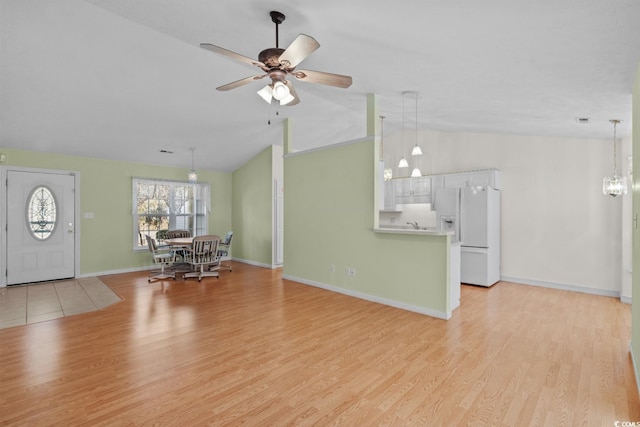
473,215
446,203
480,235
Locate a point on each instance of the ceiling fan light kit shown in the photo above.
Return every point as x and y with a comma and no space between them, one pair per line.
277,63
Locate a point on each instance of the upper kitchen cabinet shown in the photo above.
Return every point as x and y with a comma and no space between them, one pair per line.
403,191
479,178
413,190
390,197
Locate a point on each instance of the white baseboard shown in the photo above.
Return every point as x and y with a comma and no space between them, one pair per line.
257,264
561,286
373,298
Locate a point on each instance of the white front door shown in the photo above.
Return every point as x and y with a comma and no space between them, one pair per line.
40,226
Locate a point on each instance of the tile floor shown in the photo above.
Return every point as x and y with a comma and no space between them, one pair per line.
24,304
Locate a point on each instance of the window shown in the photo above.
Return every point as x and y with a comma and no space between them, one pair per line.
41,213
159,206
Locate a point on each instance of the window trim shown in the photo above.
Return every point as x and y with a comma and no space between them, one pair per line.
204,190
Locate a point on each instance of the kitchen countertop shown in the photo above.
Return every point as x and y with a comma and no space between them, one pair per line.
424,232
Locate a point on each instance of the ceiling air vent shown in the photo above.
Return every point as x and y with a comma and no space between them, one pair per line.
583,119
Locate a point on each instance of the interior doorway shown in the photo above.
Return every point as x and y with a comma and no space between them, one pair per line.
40,225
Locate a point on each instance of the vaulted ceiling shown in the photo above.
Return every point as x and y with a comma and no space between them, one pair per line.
125,79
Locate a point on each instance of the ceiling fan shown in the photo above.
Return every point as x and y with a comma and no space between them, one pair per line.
277,63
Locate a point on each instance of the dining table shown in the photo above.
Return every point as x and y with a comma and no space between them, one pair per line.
181,242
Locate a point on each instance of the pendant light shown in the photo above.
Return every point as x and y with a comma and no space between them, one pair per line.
193,175
403,162
417,151
387,172
614,185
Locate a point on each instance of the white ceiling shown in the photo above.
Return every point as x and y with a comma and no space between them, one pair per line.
123,79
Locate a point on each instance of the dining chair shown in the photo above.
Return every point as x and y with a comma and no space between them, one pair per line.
224,251
203,257
176,234
161,258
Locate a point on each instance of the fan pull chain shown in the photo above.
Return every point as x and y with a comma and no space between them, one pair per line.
269,119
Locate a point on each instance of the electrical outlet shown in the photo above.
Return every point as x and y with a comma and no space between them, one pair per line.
353,272
332,268
350,272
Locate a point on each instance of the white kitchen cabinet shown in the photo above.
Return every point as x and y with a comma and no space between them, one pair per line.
437,181
390,196
480,178
413,190
420,190
455,181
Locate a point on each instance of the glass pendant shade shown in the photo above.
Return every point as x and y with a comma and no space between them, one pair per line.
287,99
265,93
403,163
280,91
417,151
415,173
614,186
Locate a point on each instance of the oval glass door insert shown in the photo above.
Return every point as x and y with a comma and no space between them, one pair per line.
42,215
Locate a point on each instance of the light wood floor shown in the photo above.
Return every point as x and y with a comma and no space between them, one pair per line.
252,349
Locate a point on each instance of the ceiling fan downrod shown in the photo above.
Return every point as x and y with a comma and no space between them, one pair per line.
277,18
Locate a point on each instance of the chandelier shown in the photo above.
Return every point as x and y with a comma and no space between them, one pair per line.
614,185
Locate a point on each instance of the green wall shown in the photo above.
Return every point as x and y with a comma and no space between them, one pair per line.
329,219
253,211
105,190
635,287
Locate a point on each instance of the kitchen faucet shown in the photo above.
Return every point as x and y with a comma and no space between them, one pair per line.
414,223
